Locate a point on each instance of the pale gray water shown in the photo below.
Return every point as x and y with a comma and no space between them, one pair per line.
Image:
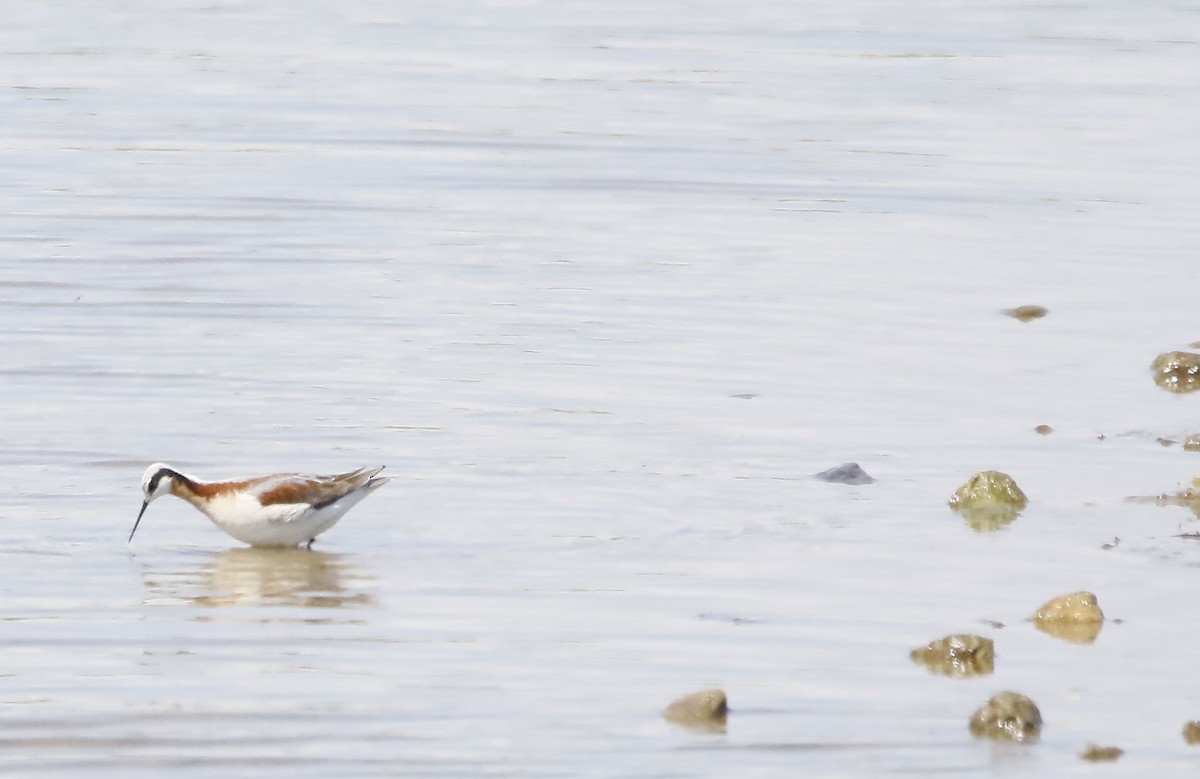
602,284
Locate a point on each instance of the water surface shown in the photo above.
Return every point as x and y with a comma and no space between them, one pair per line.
602,286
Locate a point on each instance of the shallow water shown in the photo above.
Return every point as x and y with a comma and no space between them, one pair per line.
603,286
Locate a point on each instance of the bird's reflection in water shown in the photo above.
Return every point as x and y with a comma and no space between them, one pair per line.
252,576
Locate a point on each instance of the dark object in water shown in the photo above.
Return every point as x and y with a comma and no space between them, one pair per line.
846,473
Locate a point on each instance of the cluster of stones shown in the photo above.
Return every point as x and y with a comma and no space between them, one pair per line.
988,501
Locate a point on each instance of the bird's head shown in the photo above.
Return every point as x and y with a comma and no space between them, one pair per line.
156,482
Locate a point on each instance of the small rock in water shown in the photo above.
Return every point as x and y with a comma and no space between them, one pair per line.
1188,498
1075,617
962,655
1079,606
846,473
1043,430
1027,313
1007,716
705,709
1191,732
1101,754
1177,371
989,500
989,488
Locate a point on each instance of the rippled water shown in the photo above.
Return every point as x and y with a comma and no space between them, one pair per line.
602,285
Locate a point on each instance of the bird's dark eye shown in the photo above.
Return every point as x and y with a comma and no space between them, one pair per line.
152,485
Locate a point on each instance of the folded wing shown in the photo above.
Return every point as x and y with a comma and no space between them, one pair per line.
317,491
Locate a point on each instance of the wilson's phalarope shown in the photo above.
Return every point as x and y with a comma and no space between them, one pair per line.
284,509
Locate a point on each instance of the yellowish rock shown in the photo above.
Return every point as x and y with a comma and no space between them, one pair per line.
1191,732
1079,606
1098,754
989,500
1177,371
706,709
1027,313
988,488
1007,716
1075,617
962,655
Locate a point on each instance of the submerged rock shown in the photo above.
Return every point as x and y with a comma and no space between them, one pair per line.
846,473
1075,617
989,500
1043,430
1188,498
1177,371
960,655
987,488
1027,313
705,709
1079,606
1101,754
1007,716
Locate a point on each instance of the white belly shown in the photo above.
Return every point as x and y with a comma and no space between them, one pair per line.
288,524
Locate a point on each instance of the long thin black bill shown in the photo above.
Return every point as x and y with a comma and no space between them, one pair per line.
145,503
